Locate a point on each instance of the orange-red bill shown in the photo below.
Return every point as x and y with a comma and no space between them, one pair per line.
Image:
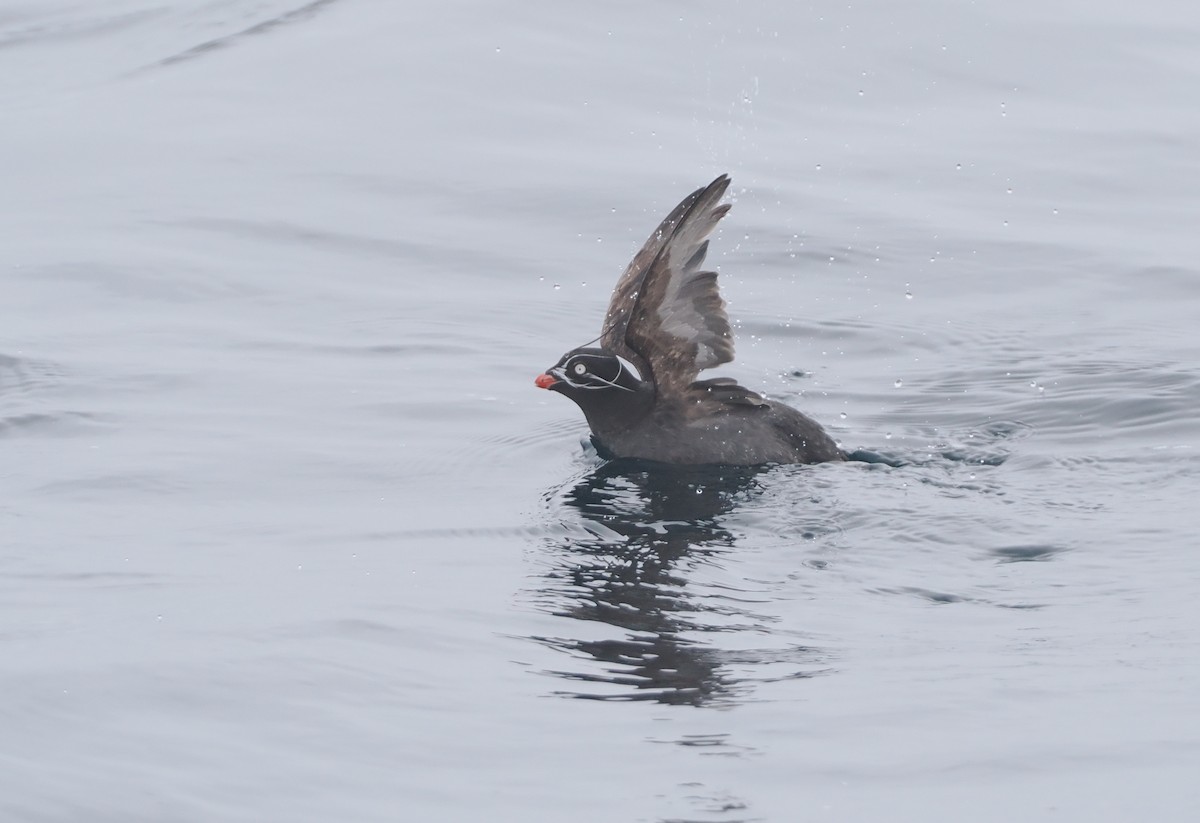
544,381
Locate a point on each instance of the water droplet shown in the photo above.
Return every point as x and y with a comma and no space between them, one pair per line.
557,287
818,166
861,92
958,166
898,383
842,415
908,294
1008,191
887,436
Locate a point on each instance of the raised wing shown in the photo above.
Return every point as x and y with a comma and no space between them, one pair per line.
665,310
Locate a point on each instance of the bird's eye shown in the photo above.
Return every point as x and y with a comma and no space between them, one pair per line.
579,368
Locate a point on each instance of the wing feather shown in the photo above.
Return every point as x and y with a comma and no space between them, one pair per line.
665,310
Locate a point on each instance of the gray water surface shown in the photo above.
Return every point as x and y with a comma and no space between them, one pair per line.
288,534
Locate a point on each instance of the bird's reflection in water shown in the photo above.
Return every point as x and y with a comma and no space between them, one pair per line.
635,533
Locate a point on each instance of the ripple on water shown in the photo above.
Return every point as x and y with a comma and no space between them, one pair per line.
943,598
1060,398
1139,402
1026,553
26,405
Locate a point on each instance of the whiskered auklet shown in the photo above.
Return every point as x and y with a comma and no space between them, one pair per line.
666,322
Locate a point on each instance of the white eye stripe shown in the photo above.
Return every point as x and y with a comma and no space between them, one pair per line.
604,384
632,369
595,383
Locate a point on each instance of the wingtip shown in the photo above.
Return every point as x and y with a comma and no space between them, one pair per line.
718,186
715,190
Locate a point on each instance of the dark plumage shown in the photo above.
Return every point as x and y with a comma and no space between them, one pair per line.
666,322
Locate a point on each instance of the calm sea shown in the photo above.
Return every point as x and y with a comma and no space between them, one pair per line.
288,534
